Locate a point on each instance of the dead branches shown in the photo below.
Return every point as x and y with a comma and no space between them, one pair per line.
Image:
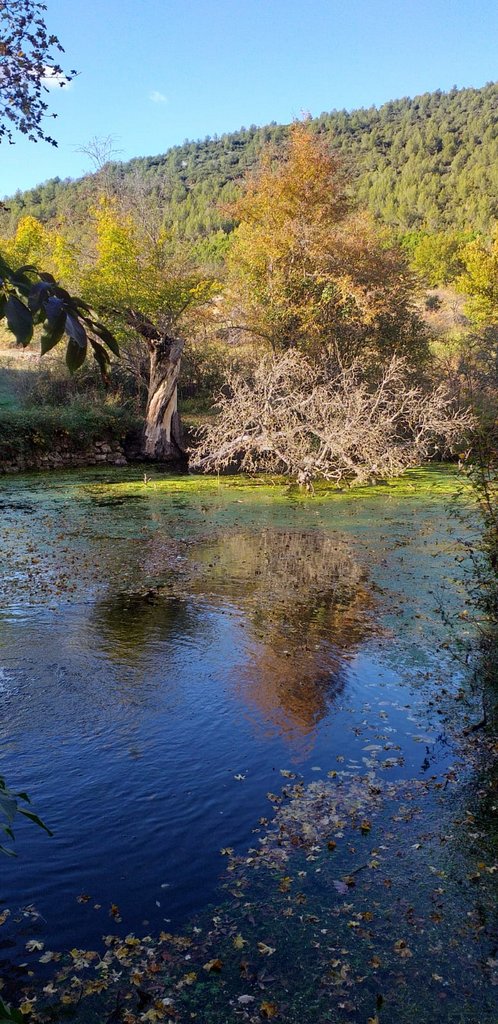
296,418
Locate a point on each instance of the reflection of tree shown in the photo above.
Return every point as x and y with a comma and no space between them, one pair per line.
132,625
306,601
304,609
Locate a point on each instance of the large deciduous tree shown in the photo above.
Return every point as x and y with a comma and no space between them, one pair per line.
308,271
29,62
149,287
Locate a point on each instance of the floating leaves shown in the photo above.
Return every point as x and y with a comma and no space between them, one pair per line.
265,950
213,965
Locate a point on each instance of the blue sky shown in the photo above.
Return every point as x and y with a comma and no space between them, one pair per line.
155,72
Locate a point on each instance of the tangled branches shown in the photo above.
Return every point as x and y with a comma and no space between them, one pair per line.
295,418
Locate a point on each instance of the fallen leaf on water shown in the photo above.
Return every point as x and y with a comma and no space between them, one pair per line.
401,948
3,916
265,950
268,1010
213,965
245,1000
239,942
340,886
34,945
49,956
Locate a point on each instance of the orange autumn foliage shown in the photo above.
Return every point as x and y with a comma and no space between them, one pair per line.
308,270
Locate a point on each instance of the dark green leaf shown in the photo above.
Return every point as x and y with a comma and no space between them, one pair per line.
34,817
75,330
75,355
8,853
8,1016
106,336
37,294
53,331
80,304
19,320
8,806
53,307
102,357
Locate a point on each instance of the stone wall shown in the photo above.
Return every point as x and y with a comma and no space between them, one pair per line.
67,454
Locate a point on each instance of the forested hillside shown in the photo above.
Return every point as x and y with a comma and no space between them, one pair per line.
428,163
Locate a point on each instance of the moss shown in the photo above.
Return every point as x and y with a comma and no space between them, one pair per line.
435,481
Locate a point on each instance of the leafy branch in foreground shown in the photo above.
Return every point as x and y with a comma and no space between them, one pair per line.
29,298
11,805
28,64
301,420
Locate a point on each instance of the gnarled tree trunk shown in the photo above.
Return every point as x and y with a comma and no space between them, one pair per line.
163,440
162,436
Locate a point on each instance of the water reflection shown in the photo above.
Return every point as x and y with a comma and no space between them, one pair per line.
299,607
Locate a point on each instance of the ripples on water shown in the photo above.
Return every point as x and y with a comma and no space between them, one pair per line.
166,652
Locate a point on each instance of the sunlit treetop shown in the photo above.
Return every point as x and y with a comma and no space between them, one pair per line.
28,61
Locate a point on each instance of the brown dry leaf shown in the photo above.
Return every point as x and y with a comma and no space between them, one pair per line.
190,978
375,962
400,947
331,845
285,883
268,1009
3,916
213,965
366,825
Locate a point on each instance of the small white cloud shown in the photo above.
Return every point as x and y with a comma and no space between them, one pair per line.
55,79
158,97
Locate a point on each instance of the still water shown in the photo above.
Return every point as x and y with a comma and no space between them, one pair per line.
167,649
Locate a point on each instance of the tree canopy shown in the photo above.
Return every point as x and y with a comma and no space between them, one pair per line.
428,163
307,270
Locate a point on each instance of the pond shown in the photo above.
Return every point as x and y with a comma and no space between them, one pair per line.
172,651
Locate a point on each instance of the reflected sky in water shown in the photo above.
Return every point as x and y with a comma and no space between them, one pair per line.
164,653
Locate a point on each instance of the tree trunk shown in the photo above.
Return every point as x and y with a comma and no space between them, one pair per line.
163,440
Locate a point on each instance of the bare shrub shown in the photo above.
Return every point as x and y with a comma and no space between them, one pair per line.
299,419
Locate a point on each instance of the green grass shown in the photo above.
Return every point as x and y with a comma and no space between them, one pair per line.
44,427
